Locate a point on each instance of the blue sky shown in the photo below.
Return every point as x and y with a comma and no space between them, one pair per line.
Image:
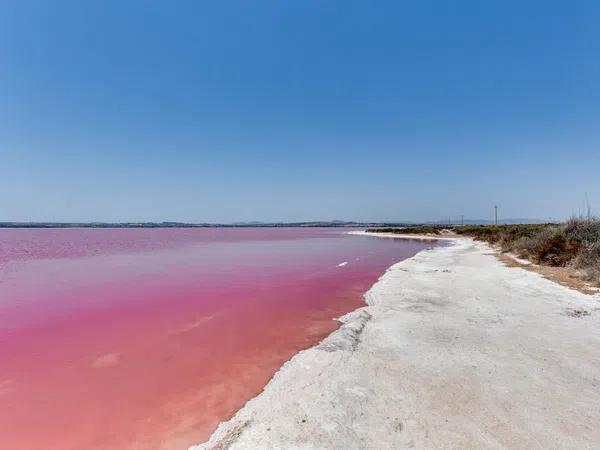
236,110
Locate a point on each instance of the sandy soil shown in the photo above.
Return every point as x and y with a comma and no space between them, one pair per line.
454,350
562,275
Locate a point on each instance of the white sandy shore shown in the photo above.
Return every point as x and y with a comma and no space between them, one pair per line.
454,350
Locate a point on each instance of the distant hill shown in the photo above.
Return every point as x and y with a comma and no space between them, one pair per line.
325,223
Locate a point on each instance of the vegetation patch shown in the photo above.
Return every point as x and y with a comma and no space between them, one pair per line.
420,229
574,244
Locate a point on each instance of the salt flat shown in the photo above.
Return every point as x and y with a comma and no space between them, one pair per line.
454,350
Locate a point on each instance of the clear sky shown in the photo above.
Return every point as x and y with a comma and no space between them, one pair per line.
298,110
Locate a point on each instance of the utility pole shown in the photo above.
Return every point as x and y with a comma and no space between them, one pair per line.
496,213
462,219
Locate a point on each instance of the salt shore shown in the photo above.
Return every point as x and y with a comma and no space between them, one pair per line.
453,350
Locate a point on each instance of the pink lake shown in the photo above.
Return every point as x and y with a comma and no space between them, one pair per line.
147,338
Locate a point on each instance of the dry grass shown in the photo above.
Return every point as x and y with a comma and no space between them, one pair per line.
574,244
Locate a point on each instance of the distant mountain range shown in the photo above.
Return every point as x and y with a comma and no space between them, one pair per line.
331,223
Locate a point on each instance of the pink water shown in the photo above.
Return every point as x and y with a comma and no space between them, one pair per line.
147,338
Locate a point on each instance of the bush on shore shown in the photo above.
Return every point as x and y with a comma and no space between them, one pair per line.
575,243
420,229
587,232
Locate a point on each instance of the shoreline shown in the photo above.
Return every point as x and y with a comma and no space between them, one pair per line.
438,358
423,237
346,337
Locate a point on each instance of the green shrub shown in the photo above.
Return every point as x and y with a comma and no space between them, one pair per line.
557,250
583,230
488,233
575,243
421,229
